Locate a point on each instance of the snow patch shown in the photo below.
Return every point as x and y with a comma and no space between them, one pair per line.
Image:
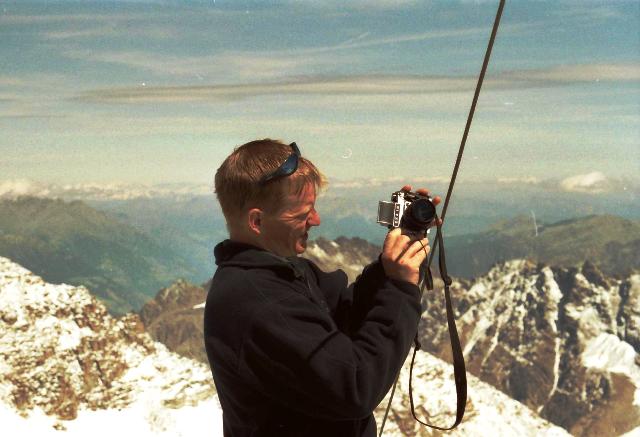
608,353
142,419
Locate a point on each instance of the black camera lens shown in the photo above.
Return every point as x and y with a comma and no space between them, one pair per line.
419,215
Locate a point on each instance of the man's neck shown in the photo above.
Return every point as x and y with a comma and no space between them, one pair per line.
239,238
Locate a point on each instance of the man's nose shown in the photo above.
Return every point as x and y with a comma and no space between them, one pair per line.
314,219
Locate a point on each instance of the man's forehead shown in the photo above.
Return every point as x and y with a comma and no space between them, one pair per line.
306,197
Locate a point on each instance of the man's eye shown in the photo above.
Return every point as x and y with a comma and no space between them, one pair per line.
304,215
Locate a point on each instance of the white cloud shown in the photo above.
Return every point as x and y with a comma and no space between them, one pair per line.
99,191
21,19
355,85
332,5
519,180
271,64
23,187
580,73
586,12
594,182
267,68
375,182
111,31
226,66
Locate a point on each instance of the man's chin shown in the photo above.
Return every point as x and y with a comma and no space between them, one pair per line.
301,246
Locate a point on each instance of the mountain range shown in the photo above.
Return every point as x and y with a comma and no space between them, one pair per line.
71,369
124,257
74,243
564,341
612,243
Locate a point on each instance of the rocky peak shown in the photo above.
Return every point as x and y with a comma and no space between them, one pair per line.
526,328
179,295
61,352
175,318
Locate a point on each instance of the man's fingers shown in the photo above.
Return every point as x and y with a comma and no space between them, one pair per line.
394,242
418,247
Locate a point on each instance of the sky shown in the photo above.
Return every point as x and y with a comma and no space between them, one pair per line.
158,92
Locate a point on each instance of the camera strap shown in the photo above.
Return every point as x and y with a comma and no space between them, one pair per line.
459,369
456,350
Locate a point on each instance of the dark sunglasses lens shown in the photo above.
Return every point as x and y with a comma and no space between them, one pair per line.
289,166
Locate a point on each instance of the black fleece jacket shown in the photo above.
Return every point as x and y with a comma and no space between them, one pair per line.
294,351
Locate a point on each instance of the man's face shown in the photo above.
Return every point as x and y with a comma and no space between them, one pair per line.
286,232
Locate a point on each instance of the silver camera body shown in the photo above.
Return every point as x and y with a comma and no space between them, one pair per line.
408,210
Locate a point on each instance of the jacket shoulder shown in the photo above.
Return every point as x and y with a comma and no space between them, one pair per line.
337,278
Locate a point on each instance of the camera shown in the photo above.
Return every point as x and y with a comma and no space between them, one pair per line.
408,210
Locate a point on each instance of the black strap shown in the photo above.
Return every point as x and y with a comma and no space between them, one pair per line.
459,369
472,111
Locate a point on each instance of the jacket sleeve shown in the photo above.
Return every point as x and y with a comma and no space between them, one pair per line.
293,352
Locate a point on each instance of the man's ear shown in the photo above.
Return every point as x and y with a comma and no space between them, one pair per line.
254,217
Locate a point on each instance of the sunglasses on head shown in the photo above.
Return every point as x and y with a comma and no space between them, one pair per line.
288,167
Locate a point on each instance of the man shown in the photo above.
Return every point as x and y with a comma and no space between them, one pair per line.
293,350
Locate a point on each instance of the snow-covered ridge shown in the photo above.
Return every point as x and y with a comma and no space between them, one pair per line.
66,361
564,341
488,411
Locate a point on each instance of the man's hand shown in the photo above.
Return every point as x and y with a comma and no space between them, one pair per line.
403,254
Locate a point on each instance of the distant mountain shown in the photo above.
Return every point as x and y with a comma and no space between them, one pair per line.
564,342
67,365
609,242
73,243
348,207
612,243
175,318
191,226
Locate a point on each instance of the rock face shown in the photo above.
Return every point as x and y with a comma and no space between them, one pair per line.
175,318
62,353
562,341
488,411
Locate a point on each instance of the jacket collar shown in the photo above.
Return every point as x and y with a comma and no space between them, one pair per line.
236,254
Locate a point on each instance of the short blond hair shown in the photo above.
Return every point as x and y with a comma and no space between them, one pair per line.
237,179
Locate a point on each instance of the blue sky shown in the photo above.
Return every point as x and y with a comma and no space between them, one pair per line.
160,92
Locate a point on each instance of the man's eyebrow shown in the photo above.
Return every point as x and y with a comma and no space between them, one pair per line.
305,209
